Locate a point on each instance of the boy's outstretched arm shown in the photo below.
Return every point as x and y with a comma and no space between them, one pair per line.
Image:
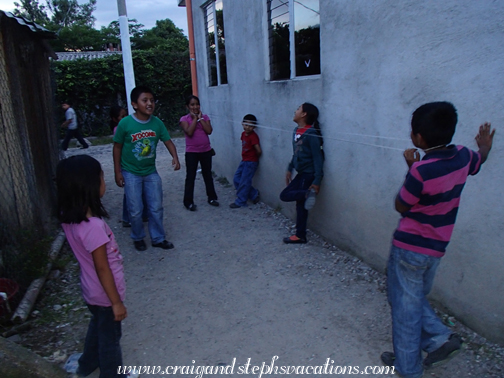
173,152
484,139
116,155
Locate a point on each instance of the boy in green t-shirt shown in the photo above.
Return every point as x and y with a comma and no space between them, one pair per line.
134,153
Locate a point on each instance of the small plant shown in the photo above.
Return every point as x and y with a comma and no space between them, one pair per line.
223,181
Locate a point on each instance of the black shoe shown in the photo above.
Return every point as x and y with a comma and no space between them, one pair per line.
213,203
140,245
83,148
444,353
388,358
257,199
126,224
234,206
294,240
165,244
191,207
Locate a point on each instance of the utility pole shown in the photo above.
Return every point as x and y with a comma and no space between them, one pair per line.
129,73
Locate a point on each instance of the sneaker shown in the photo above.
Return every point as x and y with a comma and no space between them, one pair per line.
72,364
140,245
256,200
126,224
165,244
444,353
388,358
213,203
311,197
234,206
293,239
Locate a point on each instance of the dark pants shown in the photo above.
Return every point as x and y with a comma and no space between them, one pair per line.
73,134
101,349
192,159
297,191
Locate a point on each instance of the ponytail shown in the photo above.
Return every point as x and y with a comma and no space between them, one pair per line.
312,114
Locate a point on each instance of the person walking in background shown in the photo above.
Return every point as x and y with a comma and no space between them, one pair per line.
428,203
307,160
251,150
197,128
72,127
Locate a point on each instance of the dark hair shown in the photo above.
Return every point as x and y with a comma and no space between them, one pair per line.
115,111
252,120
137,91
189,98
312,114
78,180
435,122
68,102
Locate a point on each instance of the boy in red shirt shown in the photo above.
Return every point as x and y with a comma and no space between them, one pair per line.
251,150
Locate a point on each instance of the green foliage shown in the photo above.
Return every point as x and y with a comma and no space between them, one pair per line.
112,33
164,36
93,86
31,10
78,37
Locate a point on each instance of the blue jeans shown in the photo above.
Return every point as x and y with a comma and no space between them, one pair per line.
242,181
151,187
101,349
296,191
125,215
415,326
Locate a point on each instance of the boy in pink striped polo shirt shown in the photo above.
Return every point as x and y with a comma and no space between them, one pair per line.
428,202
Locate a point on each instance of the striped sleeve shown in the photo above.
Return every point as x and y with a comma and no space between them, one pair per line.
475,164
412,188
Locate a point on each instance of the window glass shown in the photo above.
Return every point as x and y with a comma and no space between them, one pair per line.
214,18
307,37
305,20
212,60
279,39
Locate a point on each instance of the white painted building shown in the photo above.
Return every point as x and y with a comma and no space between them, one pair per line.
379,61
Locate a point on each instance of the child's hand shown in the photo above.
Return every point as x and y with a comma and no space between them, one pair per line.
176,164
411,155
485,137
288,177
120,312
119,179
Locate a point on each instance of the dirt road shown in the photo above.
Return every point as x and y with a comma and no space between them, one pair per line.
232,291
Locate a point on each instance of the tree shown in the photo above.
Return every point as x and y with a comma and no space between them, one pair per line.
31,10
78,37
69,12
112,32
165,36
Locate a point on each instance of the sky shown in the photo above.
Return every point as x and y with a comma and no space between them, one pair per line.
146,12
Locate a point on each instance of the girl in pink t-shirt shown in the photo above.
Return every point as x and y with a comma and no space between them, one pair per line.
197,128
80,184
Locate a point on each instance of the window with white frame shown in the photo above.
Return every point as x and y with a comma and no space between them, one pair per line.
294,38
216,43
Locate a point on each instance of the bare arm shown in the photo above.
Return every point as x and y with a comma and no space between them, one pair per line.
189,127
258,149
66,123
107,281
173,152
484,139
401,207
116,154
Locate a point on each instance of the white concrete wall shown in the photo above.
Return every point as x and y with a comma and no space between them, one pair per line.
380,61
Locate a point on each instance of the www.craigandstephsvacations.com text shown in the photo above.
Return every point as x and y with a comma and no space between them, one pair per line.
262,369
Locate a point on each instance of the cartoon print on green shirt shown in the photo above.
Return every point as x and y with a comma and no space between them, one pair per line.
144,149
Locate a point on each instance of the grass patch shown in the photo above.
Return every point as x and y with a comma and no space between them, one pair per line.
102,140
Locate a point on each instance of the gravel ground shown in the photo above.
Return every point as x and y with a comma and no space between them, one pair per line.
230,289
